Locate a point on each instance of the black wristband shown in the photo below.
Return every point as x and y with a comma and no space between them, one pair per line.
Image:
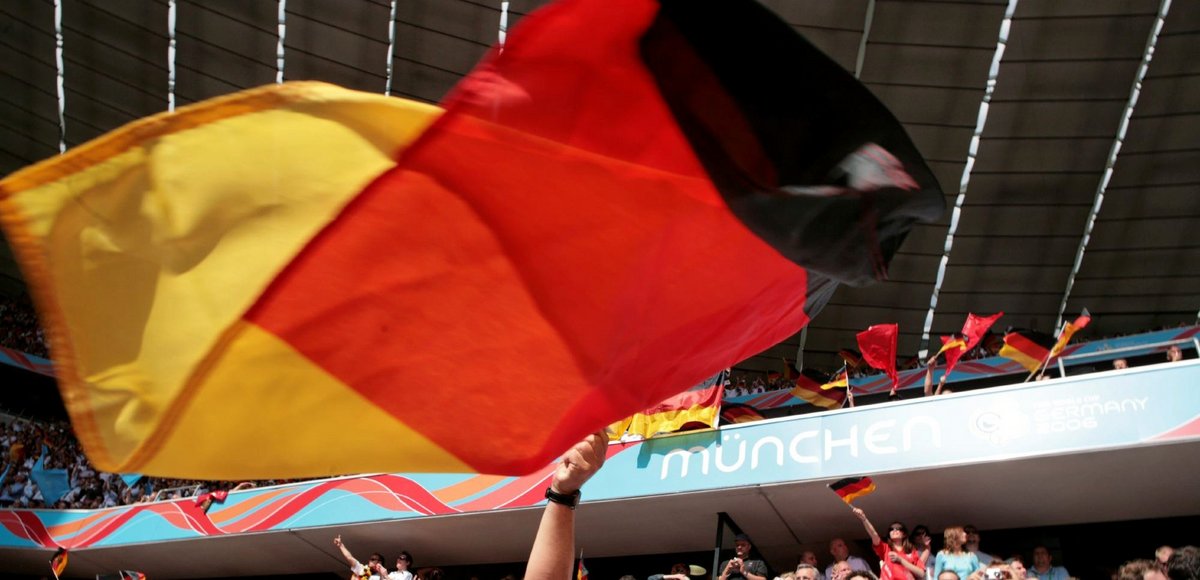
568,499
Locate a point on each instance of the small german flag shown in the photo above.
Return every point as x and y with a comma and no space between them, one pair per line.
1029,348
734,413
809,389
852,488
838,381
58,563
852,357
1069,330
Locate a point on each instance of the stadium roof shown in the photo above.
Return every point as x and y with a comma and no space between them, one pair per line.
1040,139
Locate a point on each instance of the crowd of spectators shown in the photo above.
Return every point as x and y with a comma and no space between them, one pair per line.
23,444
19,329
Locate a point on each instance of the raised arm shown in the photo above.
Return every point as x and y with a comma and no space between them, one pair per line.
862,517
350,559
928,381
554,547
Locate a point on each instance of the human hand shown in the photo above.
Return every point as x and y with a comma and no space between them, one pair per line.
337,540
580,463
893,556
858,513
927,542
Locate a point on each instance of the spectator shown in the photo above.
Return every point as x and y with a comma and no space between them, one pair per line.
1120,363
806,571
809,558
973,545
1018,567
898,559
841,553
740,567
840,570
373,569
1184,564
1162,555
1174,354
1140,570
1042,568
953,557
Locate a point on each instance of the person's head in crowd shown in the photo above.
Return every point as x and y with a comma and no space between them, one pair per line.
953,539
841,570
1174,354
680,568
404,561
809,557
862,575
972,543
919,533
838,549
742,546
806,571
1120,363
948,575
1184,564
1163,554
1140,570
437,574
1018,567
1041,559
998,571
897,537
786,576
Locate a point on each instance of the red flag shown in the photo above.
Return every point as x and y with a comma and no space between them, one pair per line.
878,345
976,326
972,332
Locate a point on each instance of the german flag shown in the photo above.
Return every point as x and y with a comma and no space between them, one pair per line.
1069,330
696,407
1029,348
852,488
812,390
272,265
734,413
852,358
58,563
841,380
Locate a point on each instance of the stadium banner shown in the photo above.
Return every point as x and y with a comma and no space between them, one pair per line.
1146,405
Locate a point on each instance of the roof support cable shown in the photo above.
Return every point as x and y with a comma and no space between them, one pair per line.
171,54
391,51
282,36
60,78
972,153
1122,128
862,44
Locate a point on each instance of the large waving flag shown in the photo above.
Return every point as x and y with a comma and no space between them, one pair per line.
878,345
698,406
273,265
